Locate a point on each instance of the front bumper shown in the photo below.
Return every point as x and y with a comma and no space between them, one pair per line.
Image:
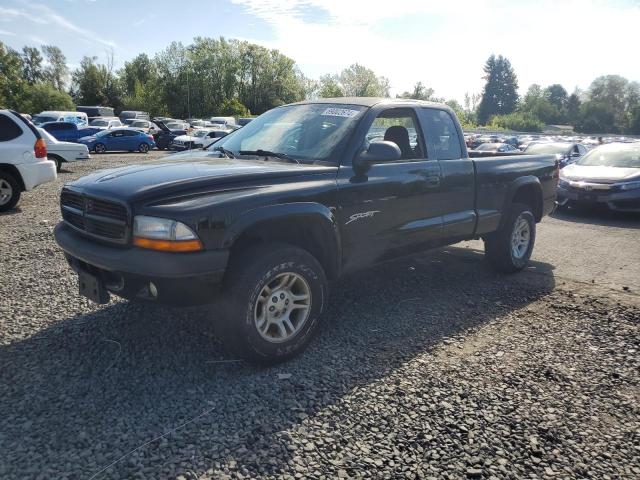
623,201
37,173
179,278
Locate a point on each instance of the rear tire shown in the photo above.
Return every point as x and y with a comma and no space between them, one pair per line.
509,249
273,298
9,191
143,148
58,162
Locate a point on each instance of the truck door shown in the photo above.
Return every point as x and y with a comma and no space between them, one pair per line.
457,187
390,209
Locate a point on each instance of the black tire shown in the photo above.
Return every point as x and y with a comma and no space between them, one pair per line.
58,161
100,148
11,187
248,274
498,246
143,148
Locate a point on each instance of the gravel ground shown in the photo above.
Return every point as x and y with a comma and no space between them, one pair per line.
441,369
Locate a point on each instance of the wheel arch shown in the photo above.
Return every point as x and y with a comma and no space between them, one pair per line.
526,190
310,226
14,172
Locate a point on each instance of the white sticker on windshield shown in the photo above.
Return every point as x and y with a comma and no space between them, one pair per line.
340,112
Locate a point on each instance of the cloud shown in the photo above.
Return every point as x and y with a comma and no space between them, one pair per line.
6,33
445,44
43,15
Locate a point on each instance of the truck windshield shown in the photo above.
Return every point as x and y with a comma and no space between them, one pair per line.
304,132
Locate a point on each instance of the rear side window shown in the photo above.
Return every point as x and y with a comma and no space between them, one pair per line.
8,129
442,133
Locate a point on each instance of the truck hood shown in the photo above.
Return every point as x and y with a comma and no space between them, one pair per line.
599,174
186,174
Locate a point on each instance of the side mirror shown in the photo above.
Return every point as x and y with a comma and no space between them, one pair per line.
379,151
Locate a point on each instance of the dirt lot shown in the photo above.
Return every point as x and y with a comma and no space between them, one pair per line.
427,367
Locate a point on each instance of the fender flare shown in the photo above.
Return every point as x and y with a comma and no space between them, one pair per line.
319,216
528,180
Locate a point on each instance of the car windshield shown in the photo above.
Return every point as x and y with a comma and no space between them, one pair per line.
548,148
139,124
304,132
40,119
175,126
99,123
620,157
200,133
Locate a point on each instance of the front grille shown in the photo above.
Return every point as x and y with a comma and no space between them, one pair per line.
94,216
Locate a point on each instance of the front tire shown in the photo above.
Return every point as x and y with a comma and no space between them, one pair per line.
100,148
9,191
509,249
273,296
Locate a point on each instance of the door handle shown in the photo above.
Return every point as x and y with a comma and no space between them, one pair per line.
433,180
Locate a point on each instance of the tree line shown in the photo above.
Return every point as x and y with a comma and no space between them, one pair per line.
218,76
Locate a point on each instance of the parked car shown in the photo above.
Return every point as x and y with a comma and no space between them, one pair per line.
178,126
200,138
294,199
79,118
608,175
23,159
106,123
164,138
61,152
145,126
565,152
120,139
496,148
96,112
133,114
243,121
222,122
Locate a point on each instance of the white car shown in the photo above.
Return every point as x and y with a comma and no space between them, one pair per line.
106,123
144,126
23,159
200,138
61,152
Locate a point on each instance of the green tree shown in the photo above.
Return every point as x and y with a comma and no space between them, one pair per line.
359,81
500,94
606,109
12,84
32,65
234,108
330,87
147,98
93,83
44,96
573,107
557,96
56,71
518,121
420,92
535,103
139,70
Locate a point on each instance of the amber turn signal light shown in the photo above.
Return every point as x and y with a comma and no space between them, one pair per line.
168,245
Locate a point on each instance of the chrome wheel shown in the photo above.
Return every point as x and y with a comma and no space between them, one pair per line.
144,148
282,307
6,192
520,238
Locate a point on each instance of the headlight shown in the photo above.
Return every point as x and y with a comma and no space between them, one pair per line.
164,234
628,185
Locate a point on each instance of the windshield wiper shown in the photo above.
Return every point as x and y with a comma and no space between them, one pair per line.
267,153
227,153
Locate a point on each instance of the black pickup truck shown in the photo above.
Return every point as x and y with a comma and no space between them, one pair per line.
261,222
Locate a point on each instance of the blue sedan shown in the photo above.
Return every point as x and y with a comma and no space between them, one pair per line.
119,139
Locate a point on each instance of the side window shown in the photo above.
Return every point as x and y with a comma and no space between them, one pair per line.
398,125
8,129
130,133
442,132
